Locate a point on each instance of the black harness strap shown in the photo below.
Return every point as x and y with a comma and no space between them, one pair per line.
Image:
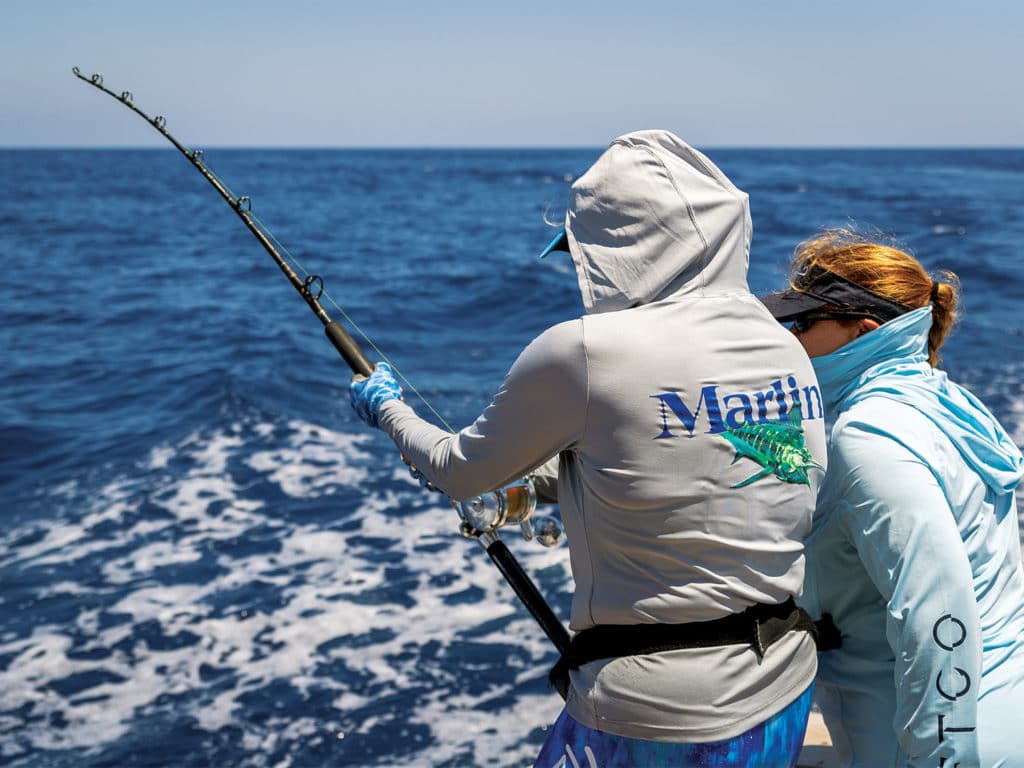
759,626
828,637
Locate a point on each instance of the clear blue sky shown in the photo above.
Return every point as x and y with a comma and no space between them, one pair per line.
444,73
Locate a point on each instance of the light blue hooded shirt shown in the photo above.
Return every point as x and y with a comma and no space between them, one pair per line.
915,552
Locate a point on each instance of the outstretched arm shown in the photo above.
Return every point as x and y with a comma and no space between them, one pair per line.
539,410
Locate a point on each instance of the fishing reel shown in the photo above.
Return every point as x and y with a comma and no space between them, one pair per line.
512,504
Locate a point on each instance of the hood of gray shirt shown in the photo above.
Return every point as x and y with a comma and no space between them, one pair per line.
654,218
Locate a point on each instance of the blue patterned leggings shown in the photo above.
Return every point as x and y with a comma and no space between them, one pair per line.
775,743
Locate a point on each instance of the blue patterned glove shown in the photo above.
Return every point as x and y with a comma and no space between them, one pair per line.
369,394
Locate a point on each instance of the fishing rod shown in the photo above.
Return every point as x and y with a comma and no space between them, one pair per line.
481,516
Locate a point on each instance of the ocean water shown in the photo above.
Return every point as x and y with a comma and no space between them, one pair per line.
206,560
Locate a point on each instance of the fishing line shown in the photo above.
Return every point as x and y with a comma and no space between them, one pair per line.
243,206
394,368
325,294
481,516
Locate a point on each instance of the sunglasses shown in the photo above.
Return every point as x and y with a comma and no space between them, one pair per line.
802,323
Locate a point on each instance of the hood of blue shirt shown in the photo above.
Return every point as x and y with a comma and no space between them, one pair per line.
892,362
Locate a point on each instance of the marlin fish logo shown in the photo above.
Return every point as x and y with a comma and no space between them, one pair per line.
778,446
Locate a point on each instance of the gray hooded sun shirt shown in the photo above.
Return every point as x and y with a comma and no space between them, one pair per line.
688,431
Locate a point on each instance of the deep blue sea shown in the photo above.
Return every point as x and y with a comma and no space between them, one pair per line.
205,560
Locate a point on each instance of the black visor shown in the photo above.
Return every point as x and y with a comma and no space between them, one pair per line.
816,287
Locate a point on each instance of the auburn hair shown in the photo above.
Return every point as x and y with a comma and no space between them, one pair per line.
887,271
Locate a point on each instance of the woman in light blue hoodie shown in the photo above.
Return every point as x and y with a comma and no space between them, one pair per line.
914,558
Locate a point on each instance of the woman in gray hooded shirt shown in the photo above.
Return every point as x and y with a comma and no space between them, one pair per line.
688,430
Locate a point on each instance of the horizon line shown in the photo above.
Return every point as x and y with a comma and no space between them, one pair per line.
493,147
